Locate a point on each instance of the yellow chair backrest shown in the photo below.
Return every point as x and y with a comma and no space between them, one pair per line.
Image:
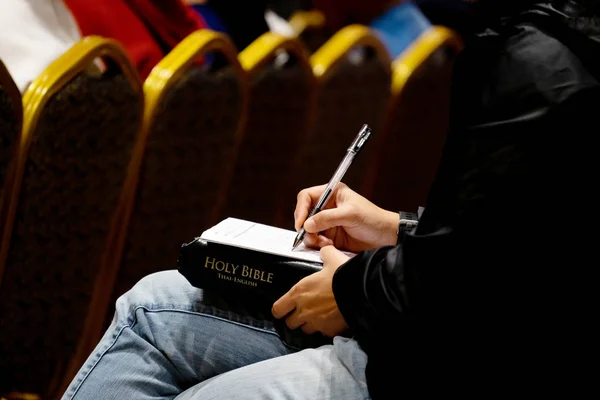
408,155
196,101
311,28
82,118
282,94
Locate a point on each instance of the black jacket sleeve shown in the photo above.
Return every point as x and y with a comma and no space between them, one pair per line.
482,244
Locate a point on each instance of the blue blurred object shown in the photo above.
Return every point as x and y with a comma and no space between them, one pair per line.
213,22
400,26
210,17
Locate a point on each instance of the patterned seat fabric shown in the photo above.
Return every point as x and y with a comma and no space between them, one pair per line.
278,119
74,174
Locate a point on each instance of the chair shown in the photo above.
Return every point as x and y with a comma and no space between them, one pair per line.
311,28
82,117
11,119
405,164
282,94
193,125
353,72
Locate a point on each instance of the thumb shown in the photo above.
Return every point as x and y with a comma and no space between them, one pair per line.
332,256
328,219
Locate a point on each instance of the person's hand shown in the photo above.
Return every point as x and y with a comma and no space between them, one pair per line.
311,301
348,222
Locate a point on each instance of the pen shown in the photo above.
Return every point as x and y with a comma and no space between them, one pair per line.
353,150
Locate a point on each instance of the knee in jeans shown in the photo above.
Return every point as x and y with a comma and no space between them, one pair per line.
154,290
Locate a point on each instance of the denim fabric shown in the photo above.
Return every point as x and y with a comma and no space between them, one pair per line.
170,340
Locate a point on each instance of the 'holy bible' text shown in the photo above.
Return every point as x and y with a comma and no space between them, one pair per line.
238,271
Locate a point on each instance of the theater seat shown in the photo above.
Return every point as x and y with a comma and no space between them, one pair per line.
353,72
282,89
404,166
196,100
82,117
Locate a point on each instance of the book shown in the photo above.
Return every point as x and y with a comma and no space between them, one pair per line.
243,257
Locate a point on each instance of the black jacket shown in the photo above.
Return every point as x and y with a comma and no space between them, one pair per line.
494,282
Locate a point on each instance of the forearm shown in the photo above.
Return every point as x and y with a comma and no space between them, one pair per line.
367,293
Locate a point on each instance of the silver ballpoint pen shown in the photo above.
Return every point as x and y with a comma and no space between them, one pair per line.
353,150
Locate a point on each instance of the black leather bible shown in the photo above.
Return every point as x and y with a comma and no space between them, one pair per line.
245,258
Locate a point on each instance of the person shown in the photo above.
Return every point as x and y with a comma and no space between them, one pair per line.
33,35
147,29
491,292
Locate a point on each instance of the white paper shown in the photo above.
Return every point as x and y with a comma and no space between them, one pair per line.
259,237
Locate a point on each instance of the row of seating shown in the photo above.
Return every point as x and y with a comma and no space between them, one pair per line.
102,178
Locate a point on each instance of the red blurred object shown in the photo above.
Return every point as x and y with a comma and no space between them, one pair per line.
148,29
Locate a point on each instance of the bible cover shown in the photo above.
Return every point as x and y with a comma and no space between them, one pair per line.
243,257
226,268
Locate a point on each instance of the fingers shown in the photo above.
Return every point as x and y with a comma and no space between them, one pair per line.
284,305
306,198
308,329
331,255
317,241
329,218
294,321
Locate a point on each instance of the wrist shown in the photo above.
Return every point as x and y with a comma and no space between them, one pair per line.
390,228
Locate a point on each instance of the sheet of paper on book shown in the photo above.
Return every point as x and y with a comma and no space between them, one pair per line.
259,237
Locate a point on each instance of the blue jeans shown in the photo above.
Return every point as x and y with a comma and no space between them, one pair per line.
169,340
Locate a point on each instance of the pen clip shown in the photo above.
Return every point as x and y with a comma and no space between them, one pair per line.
360,140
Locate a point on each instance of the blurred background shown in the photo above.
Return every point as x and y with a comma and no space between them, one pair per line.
128,127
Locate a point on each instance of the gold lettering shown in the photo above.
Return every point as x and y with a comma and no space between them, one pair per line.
222,266
245,282
234,267
245,271
262,276
270,277
227,268
225,277
256,274
212,263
